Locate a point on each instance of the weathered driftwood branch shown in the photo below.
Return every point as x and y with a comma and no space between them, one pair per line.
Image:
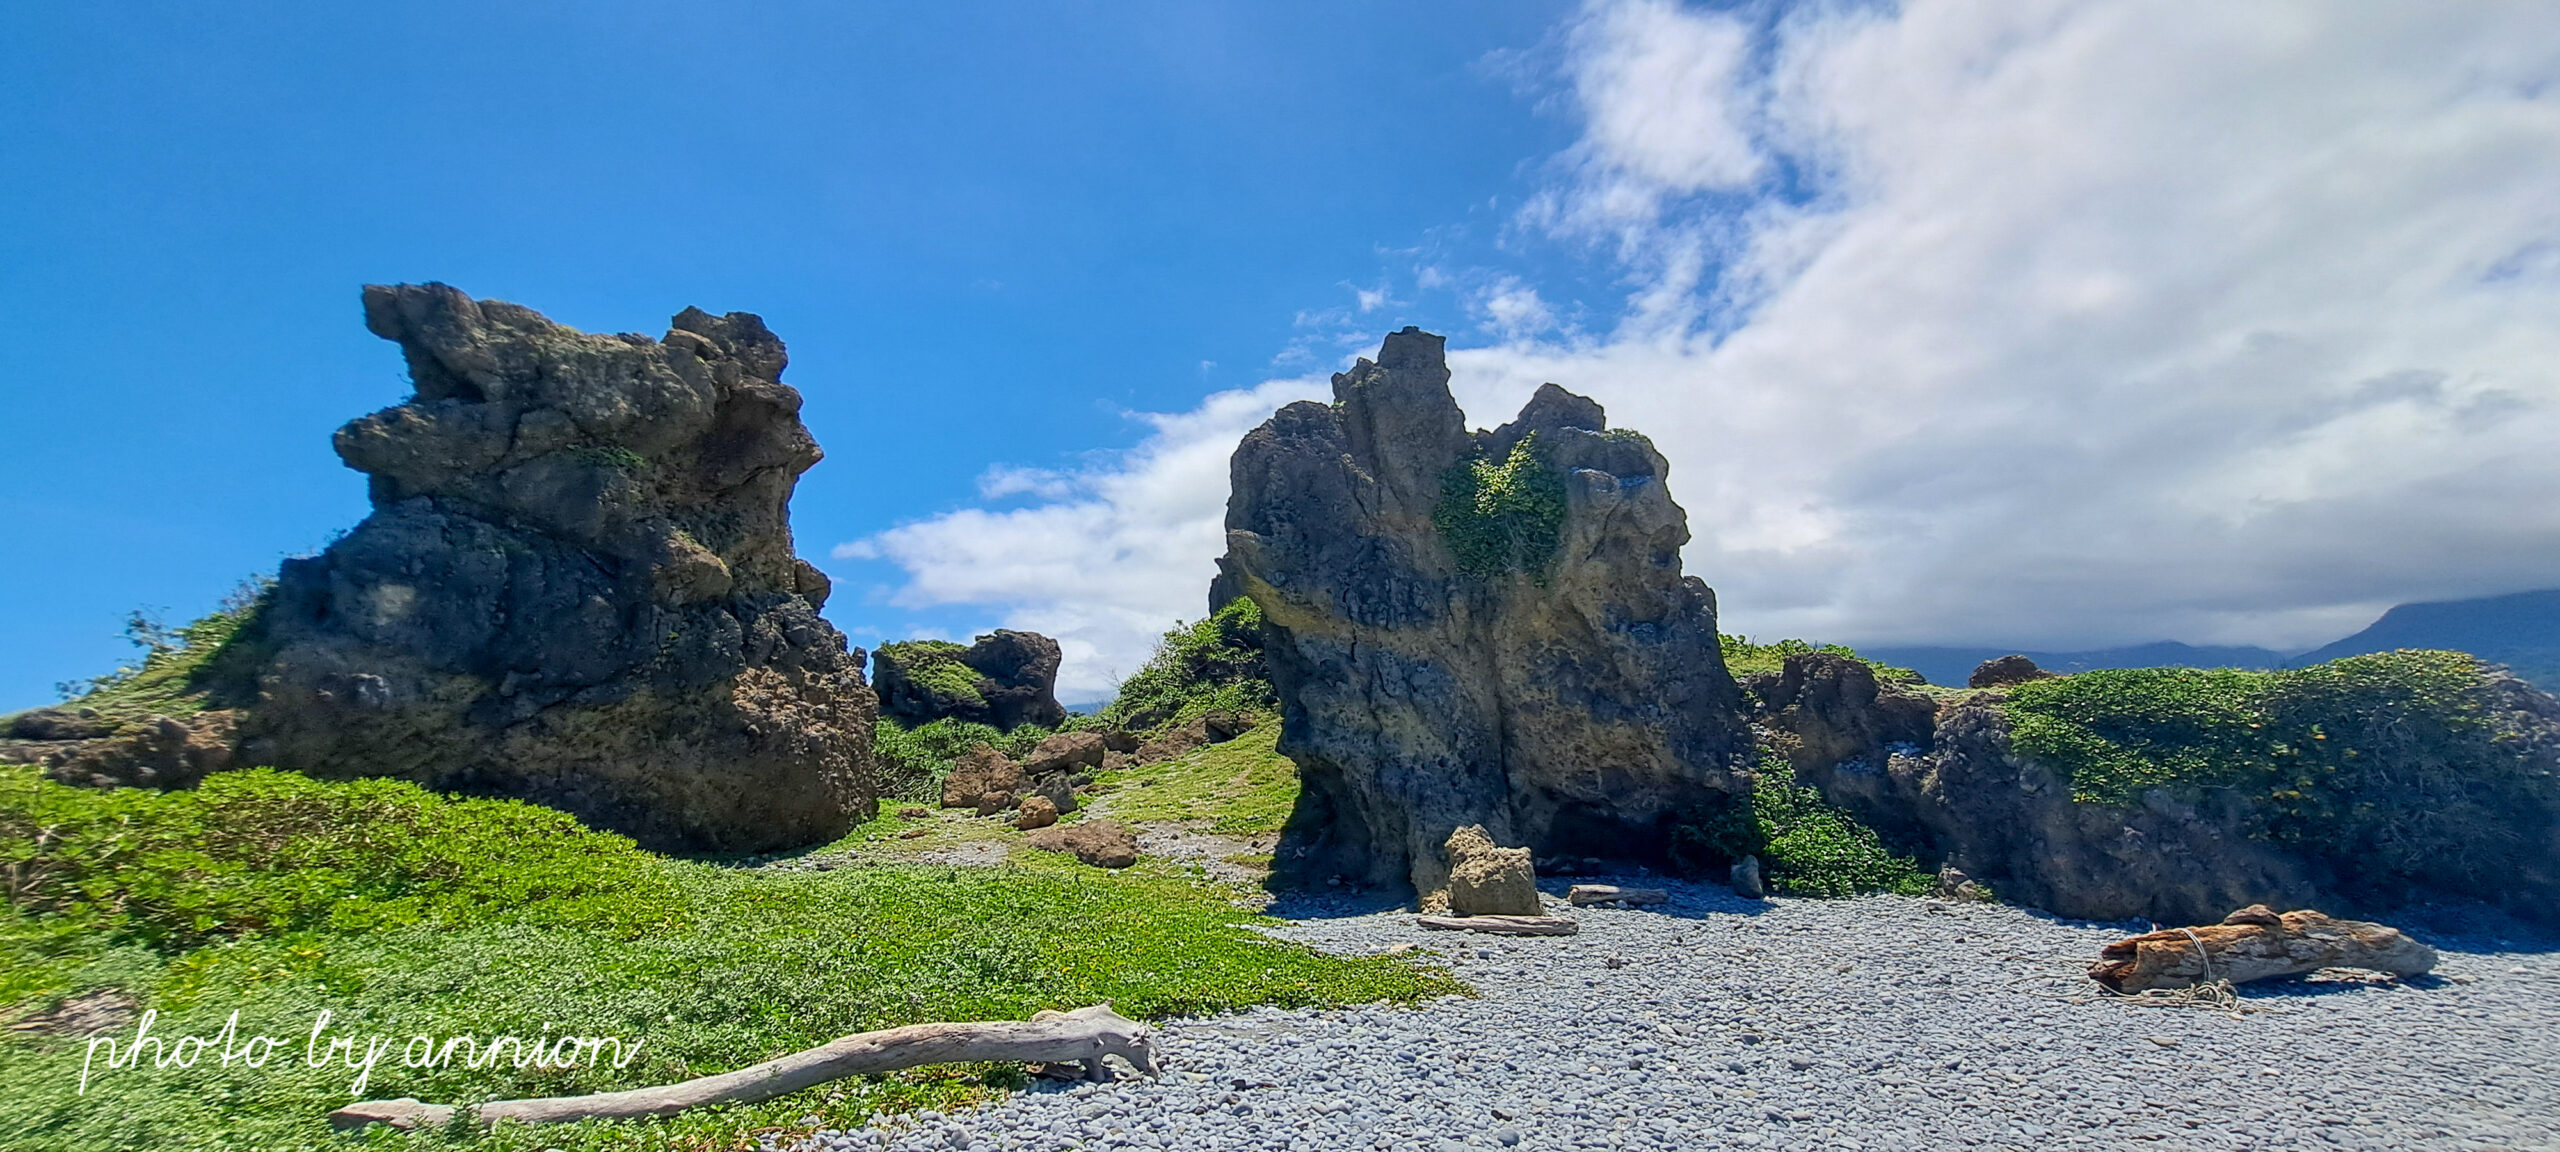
1085,1035
1503,925
1584,895
2253,944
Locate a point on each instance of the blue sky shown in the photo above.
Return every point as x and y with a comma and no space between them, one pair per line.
986,231
2054,323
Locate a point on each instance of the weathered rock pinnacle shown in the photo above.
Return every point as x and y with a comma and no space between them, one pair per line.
1474,628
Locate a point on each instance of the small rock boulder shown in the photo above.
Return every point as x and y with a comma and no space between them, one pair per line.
1486,879
1101,843
2005,670
990,803
1058,788
1119,741
1067,752
1037,812
1199,732
1747,881
158,752
50,724
978,771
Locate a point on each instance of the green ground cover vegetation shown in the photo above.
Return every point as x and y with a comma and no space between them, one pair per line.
2396,766
405,913
1243,787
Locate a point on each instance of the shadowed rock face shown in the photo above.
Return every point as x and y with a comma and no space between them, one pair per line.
577,587
1455,646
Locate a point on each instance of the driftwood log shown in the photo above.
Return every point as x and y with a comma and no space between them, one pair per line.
1585,895
1085,1035
1502,925
2254,943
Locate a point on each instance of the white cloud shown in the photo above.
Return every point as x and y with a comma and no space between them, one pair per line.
2013,321
1112,557
1512,309
2098,321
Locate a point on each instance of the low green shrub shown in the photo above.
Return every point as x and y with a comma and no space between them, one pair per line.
1215,664
1806,846
2395,767
267,853
1500,518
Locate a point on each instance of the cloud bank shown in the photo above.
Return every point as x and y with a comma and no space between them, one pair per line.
2012,322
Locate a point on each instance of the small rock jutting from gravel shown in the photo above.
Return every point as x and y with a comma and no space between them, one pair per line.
1877,1023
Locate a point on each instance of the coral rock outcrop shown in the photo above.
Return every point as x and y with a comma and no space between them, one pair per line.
1005,679
1474,628
577,587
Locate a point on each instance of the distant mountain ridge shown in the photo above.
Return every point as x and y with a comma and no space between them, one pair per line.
2520,630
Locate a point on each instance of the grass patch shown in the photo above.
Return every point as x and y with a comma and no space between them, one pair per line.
1500,518
1213,665
2396,767
1242,787
404,913
177,664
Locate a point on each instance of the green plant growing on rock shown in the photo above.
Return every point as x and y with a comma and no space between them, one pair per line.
1214,664
2396,768
1807,846
1502,518
936,666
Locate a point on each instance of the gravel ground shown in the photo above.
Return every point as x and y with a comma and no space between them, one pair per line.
1880,1023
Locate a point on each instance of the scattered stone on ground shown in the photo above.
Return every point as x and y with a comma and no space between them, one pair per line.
1067,752
1101,843
1716,1022
155,752
1486,879
978,771
1191,735
1955,885
1037,812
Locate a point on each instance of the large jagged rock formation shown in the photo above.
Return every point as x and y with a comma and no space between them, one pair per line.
1474,628
1945,781
1005,679
577,587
